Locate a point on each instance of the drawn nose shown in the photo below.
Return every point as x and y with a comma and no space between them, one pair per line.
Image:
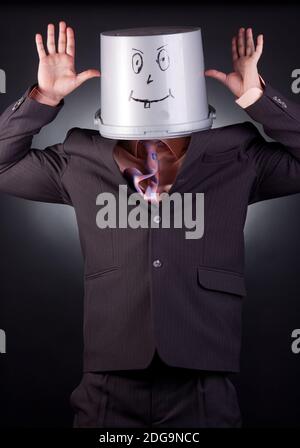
149,79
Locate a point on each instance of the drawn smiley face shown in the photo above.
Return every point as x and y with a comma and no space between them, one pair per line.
137,62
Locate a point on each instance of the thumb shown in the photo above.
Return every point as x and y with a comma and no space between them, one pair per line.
87,74
220,76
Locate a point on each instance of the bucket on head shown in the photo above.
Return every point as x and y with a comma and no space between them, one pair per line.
152,83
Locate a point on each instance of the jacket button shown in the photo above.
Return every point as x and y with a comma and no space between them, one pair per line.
157,263
157,219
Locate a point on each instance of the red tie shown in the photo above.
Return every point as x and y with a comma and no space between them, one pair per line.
150,178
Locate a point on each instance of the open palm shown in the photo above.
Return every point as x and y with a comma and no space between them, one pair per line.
245,57
57,76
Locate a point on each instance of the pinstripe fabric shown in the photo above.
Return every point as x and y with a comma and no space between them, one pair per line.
151,288
159,396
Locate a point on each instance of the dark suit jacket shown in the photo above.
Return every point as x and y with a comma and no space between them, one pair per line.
189,305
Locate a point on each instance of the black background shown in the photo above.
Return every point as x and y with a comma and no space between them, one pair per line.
40,260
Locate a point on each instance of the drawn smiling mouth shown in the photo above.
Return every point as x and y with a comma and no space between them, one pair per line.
147,103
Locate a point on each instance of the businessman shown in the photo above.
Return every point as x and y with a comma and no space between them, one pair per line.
162,313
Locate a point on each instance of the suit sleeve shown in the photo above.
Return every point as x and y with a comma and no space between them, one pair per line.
26,172
276,163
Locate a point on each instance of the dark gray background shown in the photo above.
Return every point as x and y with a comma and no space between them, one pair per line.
41,277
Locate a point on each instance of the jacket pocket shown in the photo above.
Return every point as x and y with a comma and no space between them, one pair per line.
221,157
93,275
221,280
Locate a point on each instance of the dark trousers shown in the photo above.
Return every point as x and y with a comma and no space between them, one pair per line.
159,396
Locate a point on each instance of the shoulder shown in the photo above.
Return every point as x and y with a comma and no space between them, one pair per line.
239,134
78,135
81,141
232,139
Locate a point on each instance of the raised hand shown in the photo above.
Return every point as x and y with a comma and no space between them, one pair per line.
245,57
56,73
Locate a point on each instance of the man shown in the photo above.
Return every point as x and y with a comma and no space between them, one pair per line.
162,314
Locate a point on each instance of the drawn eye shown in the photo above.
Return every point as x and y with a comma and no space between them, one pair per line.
163,59
137,62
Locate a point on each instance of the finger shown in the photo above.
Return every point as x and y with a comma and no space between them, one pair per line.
259,45
241,42
234,49
220,76
51,38
70,42
62,38
250,48
87,74
40,46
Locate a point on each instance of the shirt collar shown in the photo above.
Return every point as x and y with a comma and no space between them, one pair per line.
176,145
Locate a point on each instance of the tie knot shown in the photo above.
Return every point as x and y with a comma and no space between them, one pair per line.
152,143
146,146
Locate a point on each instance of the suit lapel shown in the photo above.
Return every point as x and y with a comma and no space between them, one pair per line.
196,149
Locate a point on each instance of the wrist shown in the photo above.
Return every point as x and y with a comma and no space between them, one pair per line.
253,82
43,97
